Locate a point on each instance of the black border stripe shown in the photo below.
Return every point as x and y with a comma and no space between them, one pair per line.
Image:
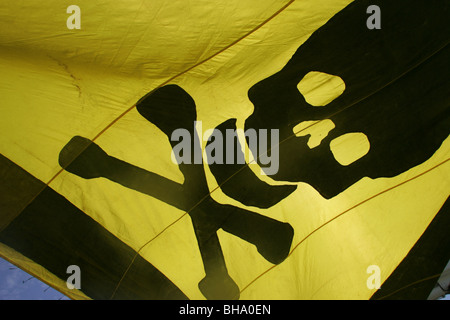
417,274
54,233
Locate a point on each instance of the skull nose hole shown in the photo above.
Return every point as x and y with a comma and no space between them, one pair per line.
319,88
317,130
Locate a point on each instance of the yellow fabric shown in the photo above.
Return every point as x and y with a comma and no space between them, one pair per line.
57,83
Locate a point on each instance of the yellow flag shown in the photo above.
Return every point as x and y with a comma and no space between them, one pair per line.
226,150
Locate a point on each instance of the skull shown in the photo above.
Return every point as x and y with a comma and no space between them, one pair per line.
389,94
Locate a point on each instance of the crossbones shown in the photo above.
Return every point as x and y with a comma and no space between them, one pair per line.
272,238
341,48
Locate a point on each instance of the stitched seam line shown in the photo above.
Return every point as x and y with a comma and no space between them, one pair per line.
345,212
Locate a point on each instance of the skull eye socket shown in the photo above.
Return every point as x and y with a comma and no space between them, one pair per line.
319,88
350,147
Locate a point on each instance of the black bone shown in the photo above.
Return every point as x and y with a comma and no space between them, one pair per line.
271,237
245,187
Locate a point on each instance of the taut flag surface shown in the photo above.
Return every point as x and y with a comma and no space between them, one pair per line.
116,157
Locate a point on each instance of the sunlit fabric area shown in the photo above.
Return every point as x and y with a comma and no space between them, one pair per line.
226,150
